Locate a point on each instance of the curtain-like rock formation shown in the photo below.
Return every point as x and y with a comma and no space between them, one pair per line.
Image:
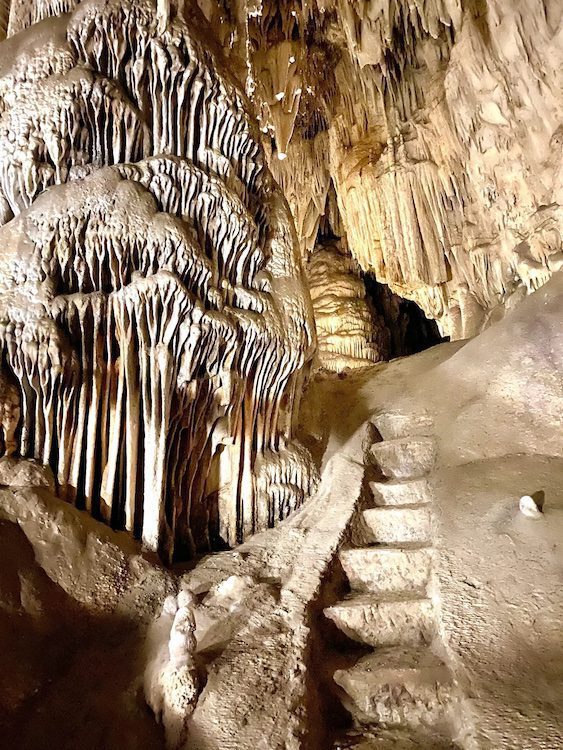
152,303
439,124
149,263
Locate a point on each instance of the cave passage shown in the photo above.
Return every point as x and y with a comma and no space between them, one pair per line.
409,330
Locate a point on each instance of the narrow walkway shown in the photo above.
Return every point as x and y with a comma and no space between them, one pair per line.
259,678
400,695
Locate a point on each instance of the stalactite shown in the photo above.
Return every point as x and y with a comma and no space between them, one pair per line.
25,13
153,310
280,87
306,166
445,142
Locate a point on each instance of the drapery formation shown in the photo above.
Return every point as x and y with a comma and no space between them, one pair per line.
437,123
152,308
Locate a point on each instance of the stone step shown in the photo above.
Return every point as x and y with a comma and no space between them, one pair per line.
399,525
398,687
405,458
382,570
392,425
384,622
410,492
396,738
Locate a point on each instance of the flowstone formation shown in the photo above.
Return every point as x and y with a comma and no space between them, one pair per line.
153,314
437,123
347,333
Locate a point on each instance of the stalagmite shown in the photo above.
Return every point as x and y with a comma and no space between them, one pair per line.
171,677
347,330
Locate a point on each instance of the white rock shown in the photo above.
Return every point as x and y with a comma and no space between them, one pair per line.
529,507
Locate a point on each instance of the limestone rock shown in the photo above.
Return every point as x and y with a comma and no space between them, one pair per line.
171,676
153,308
200,202
438,124
347,330
16,472
529,507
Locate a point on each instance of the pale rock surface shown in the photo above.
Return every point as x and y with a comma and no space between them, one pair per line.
439,125
436,125
348,333
16,472
496,415
256,636
171,676
156,333
257,693
154,318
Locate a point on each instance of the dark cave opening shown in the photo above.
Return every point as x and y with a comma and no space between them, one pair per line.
410,331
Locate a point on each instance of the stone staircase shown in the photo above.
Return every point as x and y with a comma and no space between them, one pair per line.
400,694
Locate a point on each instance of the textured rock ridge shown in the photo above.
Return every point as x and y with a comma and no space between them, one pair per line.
152,302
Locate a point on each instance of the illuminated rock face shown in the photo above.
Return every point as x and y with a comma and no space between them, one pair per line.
439,124
348,335
465,179
153,302
152,306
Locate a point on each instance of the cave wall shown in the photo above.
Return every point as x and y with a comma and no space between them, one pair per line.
439,125
154,316
156,320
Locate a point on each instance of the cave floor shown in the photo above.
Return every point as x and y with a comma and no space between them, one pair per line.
499,572
495,421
